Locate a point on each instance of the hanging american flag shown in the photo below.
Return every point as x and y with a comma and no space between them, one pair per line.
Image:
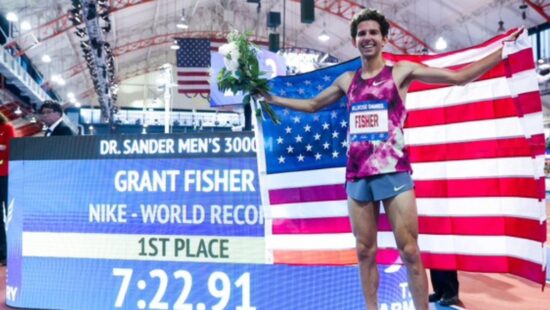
193,62
477,154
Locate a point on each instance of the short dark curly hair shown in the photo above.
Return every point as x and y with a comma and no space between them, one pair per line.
369,14
53,105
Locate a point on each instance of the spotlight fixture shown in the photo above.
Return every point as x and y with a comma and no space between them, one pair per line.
523,8
106,28
182,23
440,44
80,32
175,45
75,17
103,5
501,26
76,3
25,26
46,58
12,17
92,12
323,37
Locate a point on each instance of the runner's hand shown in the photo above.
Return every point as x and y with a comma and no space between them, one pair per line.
514,35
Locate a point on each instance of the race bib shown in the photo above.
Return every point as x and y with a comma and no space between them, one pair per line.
369,121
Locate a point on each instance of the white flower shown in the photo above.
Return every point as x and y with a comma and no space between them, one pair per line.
232,65
224,49
230,50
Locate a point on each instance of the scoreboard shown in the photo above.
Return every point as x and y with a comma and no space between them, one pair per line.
157,222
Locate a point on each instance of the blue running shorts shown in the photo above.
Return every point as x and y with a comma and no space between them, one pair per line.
379,187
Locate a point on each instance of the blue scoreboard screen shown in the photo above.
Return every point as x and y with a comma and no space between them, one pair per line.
156,222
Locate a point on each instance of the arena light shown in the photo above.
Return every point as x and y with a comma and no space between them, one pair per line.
80,32
182,23
12,17
440,44
46,58
175,45
323,37
25,26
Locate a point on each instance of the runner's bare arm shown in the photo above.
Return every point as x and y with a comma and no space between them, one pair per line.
323,99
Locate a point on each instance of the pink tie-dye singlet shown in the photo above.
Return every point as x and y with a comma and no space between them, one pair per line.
376,118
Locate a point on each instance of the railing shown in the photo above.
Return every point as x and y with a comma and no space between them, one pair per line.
15,74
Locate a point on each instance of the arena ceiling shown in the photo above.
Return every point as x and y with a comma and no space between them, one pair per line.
143,30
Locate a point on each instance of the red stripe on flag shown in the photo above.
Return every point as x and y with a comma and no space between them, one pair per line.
193,91
508,147
483,226
482,110
308,193
469,226
193,83
529,102
521,61
325,225
538,144
197,73
483,187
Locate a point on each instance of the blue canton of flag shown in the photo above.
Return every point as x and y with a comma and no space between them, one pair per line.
305,141
193,65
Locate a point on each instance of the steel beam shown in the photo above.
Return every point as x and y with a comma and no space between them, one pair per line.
400,38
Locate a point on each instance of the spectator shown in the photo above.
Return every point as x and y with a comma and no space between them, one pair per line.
6,134
51,114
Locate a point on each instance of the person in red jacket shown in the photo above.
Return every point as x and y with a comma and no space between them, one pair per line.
6,134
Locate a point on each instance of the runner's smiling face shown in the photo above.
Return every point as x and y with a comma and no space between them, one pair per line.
369,40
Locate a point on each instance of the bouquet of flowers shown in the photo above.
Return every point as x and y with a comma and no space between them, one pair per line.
242,72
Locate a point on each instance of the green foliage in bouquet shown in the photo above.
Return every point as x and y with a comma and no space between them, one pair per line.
242,72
